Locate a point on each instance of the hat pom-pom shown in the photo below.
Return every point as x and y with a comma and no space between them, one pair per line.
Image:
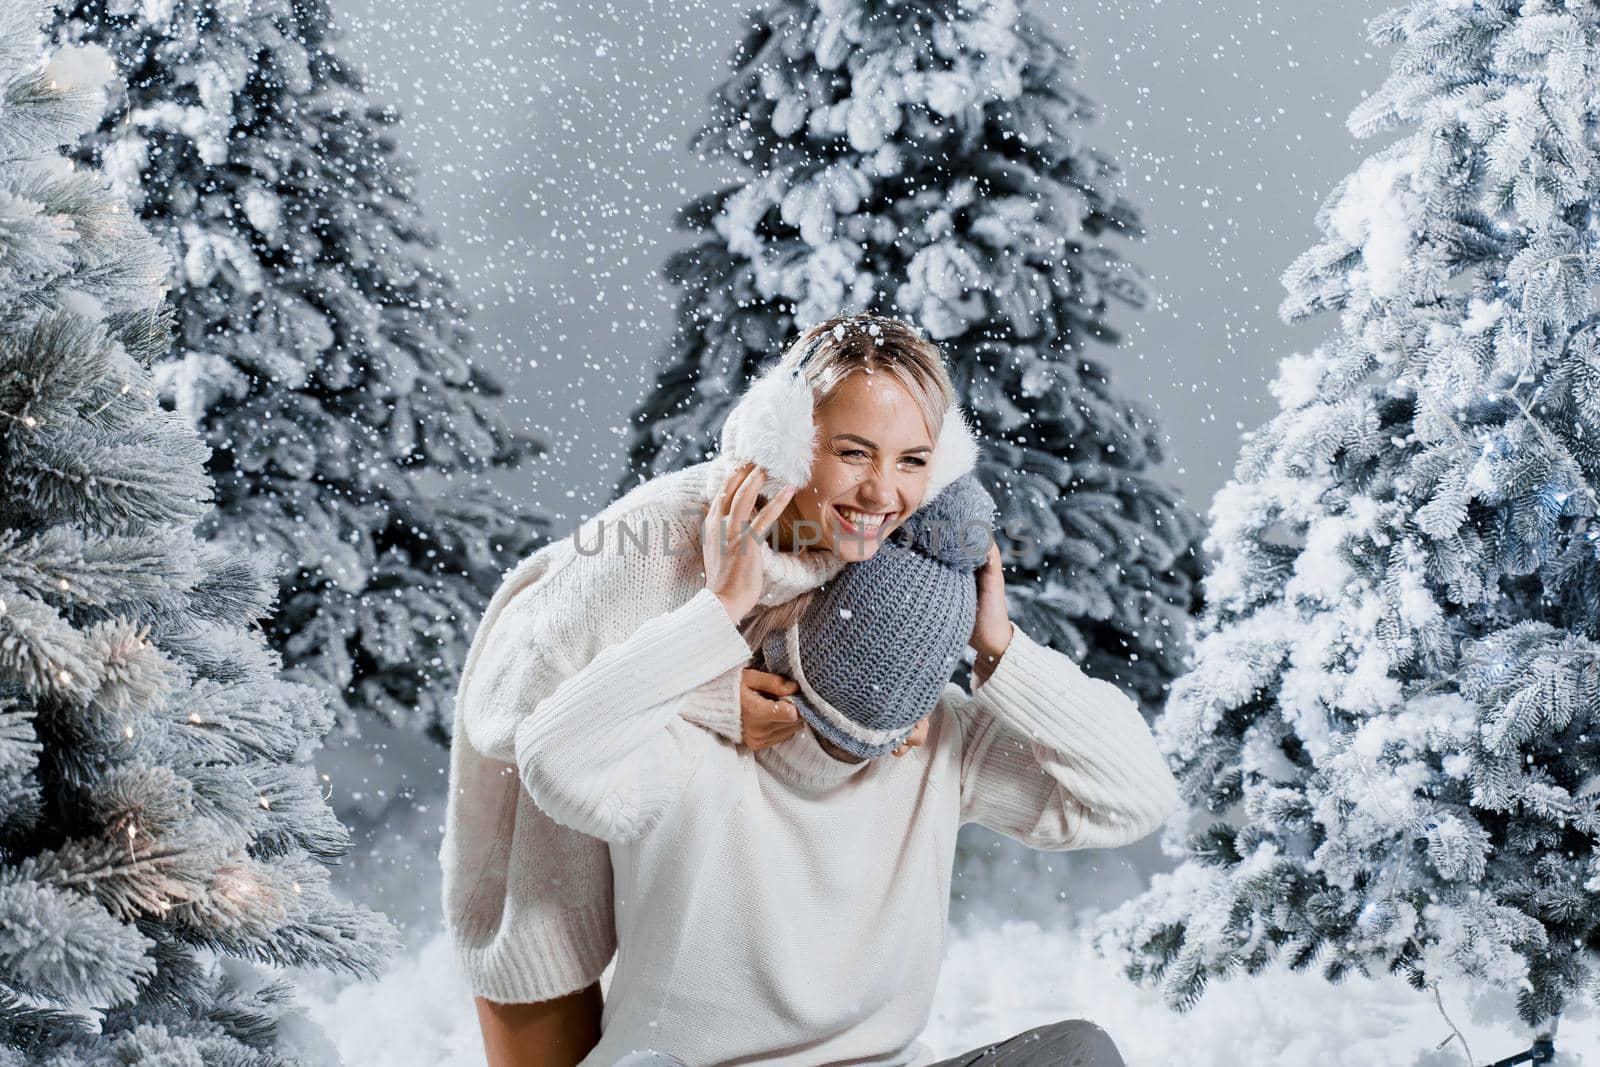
954,527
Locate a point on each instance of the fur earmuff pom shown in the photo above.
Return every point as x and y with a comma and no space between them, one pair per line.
774,425
954,454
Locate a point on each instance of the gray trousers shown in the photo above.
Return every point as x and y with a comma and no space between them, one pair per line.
1072,1043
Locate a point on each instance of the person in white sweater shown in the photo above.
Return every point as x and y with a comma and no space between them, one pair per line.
788,906
866,422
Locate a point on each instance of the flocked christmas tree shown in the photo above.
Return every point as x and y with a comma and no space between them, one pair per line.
319,353
925,160
1393,702
160,831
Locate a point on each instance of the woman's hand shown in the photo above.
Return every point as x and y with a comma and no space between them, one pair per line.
766,717
991,630
919,734
730,541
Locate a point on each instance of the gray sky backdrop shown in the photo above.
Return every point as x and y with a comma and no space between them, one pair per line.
551,142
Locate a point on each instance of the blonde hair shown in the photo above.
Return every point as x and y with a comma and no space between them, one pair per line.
833,350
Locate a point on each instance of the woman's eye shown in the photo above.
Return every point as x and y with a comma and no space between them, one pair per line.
919,461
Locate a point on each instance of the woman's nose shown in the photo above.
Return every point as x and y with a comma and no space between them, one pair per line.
878,491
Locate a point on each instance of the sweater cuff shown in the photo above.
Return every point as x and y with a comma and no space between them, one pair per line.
536,960
716,705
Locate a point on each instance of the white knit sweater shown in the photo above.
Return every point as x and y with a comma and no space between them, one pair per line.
528,902
786,907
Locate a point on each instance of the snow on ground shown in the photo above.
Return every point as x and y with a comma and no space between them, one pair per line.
1002,979
1011,963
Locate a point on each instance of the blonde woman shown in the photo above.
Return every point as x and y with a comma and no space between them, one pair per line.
849,434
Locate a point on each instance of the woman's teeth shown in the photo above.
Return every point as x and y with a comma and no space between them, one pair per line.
857,521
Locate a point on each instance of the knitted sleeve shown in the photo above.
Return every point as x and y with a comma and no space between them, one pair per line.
551,628
522,656
1056,759
604,754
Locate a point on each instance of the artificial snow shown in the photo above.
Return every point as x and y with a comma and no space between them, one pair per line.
1376,214
999,980
88,67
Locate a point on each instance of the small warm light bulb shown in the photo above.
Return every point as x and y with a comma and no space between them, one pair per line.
194,716
127,731
29,421
66,677
264,803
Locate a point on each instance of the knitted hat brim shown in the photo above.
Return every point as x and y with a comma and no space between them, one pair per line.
829,721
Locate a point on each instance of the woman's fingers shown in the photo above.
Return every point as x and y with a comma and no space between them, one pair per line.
782,719
725,504
918,735
769,683
719,503
767,717
744,498
752,478
774,508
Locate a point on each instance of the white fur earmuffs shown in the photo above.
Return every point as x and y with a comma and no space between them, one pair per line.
774,424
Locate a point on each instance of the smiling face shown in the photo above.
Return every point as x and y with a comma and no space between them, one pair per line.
870,470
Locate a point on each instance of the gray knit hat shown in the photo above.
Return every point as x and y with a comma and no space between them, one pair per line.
879,641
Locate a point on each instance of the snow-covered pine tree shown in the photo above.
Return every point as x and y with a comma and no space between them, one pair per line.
925,160
323,358
160,830
1394,696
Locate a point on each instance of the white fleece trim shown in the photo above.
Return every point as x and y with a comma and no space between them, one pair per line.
954,454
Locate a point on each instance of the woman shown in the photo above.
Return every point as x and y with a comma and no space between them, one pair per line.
528,903
788,906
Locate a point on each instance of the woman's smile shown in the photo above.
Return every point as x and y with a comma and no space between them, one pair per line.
856,521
